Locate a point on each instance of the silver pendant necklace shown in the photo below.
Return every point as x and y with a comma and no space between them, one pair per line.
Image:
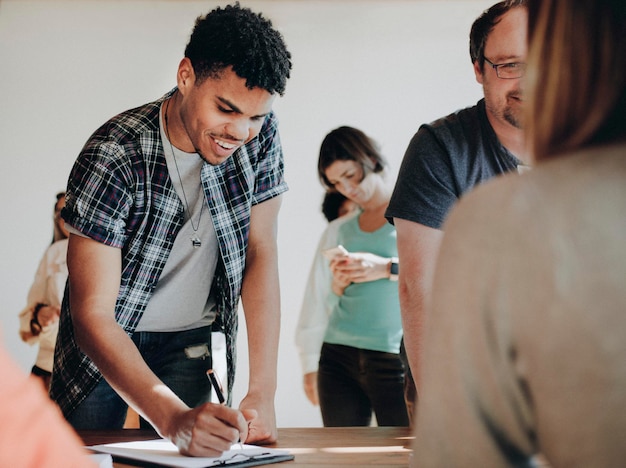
195,239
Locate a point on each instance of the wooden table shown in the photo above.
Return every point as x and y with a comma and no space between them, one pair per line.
312,446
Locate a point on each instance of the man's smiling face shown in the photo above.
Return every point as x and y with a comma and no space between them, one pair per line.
220,114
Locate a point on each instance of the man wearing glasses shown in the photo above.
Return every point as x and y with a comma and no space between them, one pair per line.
448,157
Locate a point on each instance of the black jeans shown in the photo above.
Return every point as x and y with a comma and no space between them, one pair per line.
352,382
179,359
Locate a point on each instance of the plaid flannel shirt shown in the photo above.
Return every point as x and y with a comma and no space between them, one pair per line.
120,193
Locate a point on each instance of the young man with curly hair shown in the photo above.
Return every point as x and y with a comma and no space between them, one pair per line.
167,203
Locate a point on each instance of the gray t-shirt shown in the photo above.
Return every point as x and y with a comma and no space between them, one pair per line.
182,299
445,159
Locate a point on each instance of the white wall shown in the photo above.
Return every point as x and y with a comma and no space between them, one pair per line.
66,66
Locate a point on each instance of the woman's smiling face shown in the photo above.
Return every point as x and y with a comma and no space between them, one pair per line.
349,179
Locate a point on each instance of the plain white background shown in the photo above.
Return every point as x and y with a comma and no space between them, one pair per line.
67,66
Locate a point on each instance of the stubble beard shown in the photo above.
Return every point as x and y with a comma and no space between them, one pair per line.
508,114
513,118
514,115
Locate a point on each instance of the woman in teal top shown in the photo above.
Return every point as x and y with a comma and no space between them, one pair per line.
356,318
360,369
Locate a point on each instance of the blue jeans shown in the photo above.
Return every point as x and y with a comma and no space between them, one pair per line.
179,359
352,382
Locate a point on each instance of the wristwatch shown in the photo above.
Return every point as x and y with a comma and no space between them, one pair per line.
394,269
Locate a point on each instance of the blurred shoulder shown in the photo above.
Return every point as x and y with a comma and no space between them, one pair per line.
554,194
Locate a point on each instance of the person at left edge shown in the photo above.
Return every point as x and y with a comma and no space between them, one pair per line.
166,204
39,320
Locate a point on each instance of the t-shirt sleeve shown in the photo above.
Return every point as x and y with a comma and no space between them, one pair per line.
425,189
98,198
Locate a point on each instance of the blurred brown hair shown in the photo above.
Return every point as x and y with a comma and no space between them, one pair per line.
58,233
576,75
349,144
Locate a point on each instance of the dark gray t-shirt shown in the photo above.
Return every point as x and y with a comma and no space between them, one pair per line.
445,159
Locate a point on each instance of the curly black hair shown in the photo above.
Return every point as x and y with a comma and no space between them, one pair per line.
246,41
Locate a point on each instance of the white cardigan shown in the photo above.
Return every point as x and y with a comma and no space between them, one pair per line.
318,300
47,288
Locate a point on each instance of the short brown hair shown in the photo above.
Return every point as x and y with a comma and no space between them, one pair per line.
483,26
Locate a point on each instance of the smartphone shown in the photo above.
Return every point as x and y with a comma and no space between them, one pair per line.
334,252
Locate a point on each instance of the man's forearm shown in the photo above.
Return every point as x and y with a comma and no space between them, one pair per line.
260,295
411,305
418,246
261,303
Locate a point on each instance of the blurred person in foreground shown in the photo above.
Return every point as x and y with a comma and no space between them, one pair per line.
525,342
33,431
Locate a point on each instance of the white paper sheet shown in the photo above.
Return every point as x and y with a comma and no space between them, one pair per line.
163,452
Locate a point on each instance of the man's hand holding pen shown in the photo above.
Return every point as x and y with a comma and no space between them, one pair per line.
209,429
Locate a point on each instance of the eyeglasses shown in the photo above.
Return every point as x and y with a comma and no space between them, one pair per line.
508,71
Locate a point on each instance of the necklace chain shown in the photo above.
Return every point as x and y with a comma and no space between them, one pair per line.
195,241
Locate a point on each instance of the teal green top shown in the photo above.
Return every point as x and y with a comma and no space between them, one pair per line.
367,315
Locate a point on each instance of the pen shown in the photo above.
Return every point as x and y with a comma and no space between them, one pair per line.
216,385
